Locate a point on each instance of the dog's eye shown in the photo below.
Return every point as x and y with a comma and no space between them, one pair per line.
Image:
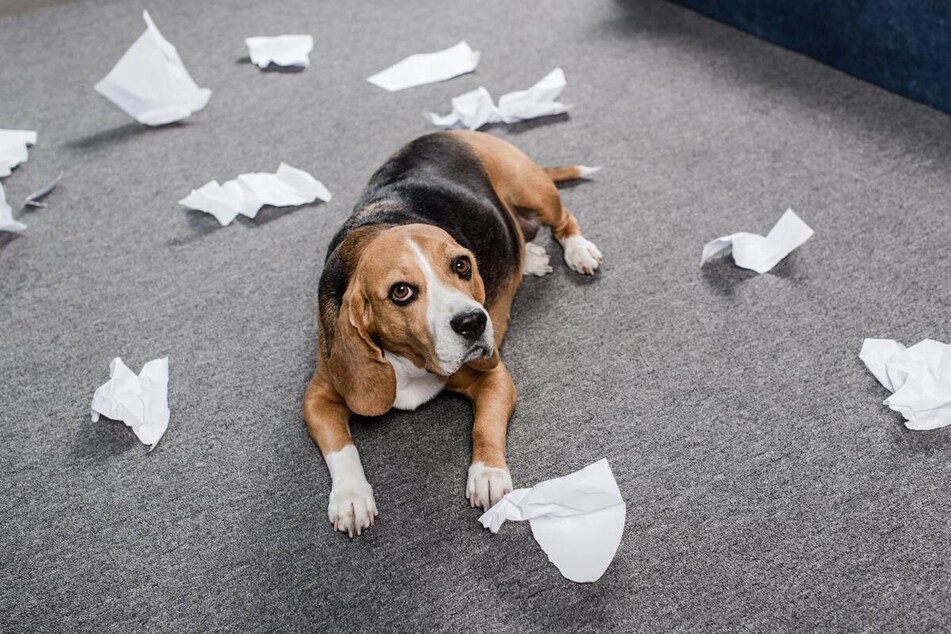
462,266
402,294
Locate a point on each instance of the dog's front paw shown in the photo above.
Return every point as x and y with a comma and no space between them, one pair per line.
581,255
487,485
352,508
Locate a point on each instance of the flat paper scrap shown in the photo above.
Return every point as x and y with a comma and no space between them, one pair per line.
427,68
13,149
35,199
141,402
7,223
919,378
249,192
150,82
751,251
577,519
282,50
475,109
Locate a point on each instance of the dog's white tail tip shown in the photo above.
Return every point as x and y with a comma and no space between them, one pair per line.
584,171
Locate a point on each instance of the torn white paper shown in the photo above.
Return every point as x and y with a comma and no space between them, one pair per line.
13,148
249,192
471,110
537,101
150,82
141,402
919,378
34,199
282,50
577,519
427,68
475,109
7,223
751,251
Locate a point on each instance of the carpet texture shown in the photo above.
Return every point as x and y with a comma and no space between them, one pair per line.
767,486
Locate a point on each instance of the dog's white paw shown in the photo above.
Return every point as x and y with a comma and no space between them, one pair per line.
352,509
487,485
581,254
536,260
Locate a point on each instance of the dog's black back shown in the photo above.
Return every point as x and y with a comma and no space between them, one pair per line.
436,180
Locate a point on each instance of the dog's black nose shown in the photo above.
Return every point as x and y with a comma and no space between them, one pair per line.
470,325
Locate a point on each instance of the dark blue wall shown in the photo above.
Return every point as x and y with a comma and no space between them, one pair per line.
902,45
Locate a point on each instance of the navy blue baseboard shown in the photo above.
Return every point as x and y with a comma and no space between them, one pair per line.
901,45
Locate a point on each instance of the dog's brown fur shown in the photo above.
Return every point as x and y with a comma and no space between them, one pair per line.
352,374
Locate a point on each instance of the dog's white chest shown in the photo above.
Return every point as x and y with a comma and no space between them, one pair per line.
414,386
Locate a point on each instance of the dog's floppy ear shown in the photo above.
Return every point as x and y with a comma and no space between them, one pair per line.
358,370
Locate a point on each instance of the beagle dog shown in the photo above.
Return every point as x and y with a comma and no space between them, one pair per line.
415,298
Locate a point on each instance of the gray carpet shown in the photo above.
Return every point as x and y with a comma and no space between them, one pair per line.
767,486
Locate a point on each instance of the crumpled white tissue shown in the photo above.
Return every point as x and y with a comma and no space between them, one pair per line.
13,150
472,110
577,519
141,402
249,192
150,82
751,251
427,68
919,378
475,109
7,223
537,101
282,50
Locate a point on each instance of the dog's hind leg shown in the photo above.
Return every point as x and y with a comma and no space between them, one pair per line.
536,260
580,253
528,190
535,193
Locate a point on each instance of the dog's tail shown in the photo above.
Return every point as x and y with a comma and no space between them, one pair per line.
570,172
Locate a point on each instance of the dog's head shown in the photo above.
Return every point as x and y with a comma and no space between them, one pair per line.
413,291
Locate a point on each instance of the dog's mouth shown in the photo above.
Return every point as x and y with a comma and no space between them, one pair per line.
444,368
478,350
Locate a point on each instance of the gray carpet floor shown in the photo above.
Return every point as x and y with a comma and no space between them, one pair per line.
767,486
